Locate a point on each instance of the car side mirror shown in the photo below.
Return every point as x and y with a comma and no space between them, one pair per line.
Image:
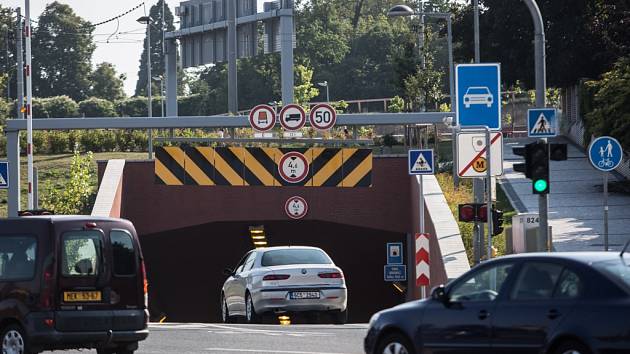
439,294
228,271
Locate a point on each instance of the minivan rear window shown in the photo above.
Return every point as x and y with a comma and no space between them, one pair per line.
123,252
17,257
294,256
81,253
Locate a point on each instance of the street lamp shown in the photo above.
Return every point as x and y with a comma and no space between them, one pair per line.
147,20
161,80
325,84
400,11
5,28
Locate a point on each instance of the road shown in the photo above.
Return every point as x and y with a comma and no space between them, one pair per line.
241,338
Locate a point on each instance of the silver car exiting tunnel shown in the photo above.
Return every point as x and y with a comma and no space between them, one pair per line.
284,280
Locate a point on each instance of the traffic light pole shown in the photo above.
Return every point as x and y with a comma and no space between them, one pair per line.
489,187
543,212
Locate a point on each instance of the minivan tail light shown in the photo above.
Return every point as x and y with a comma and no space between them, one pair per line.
272,277
46,297
145,284
90,225
330,275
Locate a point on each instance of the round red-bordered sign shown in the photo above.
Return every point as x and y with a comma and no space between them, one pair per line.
292,117
262,118
293,167
296,207
323,116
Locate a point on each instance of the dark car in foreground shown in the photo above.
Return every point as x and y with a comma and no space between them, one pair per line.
556,303
70,282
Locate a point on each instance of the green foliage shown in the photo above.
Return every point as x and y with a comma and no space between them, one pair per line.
396,105
106,83
97,107
304,89
61,107
62,48
59,142
132,107
74,198
610,111
98,140
572,28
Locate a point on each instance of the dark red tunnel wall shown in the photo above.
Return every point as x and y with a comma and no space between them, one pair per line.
155,208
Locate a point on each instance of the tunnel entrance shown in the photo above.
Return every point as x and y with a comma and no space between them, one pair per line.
185,266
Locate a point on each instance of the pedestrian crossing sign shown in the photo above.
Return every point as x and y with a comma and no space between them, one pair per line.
421,162
4,175
542,123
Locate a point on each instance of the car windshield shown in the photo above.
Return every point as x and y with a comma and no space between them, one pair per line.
616,269
477,91
294,256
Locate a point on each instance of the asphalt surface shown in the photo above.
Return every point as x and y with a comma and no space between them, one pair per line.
241,338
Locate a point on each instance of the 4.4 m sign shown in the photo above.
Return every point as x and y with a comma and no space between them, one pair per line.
323,116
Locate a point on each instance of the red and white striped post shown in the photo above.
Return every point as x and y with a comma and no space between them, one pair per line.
28,71
423,272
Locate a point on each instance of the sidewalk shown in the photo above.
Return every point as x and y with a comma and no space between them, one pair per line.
576,211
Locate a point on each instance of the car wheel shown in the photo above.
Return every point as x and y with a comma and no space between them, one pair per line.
250,311
572,347
340,317
394,344
14,340
225,313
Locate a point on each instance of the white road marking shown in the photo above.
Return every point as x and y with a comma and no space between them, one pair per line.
222,350
288,332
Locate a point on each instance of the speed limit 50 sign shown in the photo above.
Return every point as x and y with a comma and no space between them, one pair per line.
323,116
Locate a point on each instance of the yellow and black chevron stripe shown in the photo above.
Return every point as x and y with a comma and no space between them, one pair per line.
238,166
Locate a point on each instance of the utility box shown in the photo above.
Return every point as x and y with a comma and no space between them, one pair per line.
525,234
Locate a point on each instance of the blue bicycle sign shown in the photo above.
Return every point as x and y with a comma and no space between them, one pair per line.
605,153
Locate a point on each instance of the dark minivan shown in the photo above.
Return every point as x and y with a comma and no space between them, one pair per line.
69,282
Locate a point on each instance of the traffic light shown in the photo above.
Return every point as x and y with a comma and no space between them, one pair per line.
473,212
537,166
558,152
497,222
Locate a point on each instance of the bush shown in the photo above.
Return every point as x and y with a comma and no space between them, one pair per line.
97,107
59,142
132,107
74,198
61,107
40,142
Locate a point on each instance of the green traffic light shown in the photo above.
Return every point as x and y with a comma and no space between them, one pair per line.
540,185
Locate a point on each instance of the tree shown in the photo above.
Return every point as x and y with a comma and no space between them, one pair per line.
304,90
75,197
7,30
62,53
107,83
157,59
507,32
611,104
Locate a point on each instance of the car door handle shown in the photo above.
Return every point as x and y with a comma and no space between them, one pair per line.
483,314
553,314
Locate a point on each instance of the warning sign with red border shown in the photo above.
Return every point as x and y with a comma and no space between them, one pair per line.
293,167
323,116
472,159
296,207
292,117
262,118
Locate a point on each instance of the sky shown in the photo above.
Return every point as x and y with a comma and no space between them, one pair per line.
123,50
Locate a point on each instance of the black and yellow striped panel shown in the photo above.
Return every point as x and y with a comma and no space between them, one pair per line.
238,166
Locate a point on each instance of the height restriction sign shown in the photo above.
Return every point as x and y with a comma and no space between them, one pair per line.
472,157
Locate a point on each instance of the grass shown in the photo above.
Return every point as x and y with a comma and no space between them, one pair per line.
464,195
53,172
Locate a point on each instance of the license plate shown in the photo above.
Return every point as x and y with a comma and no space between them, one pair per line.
297,295
81,296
